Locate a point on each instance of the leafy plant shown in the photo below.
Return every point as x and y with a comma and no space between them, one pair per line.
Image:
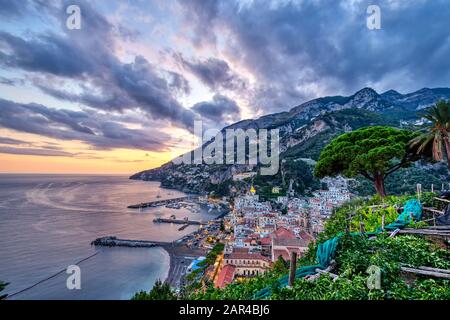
431,143
353,257
2,287
160,291
372,218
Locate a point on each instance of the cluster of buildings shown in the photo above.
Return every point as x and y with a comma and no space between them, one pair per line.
261,234
321,205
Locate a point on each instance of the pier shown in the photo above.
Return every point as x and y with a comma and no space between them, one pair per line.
180,255
159,203
177,221
115,242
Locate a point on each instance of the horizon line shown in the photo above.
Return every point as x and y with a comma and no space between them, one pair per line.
65,173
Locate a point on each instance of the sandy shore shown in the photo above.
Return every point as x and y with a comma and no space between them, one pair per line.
181,257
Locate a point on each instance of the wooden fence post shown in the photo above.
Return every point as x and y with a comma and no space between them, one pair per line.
293,267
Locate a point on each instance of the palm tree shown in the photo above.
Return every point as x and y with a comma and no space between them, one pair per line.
431,142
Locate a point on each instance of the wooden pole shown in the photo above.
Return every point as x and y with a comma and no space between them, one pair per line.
293,267
383,219
394,233
443,200
432,187
433,210
435,269
444,274
426,232
332,275
361,227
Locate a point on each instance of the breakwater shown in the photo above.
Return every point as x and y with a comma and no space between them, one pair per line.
159,203
177,221
115,242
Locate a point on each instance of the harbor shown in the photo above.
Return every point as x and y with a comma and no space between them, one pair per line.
180,254
167,202
182,251
191,246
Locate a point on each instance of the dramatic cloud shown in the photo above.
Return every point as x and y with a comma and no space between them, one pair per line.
215,73
11,82
12,9
221,110
300,49
87,55
50,53
205,11
253,57
92,128
35,152
4,140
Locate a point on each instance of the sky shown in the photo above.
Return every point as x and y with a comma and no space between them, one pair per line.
121,93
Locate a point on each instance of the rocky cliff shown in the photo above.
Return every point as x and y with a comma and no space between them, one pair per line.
305,129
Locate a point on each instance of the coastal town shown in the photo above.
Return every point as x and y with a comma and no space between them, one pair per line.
247,235
256,233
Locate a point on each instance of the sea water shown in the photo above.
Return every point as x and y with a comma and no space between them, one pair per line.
48,221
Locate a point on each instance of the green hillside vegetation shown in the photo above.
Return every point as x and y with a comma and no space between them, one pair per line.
435,141
400,182
338,122
366,152
405,180
353,257
160,291
297,170
372,152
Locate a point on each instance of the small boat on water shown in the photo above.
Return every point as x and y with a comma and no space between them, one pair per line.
173,206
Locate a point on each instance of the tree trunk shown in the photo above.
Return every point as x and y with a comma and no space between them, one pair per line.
379,184
447,149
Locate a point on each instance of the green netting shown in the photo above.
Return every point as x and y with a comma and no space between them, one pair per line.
325,253
411,211
327,250
283,281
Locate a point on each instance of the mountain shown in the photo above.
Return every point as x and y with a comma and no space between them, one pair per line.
304,131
